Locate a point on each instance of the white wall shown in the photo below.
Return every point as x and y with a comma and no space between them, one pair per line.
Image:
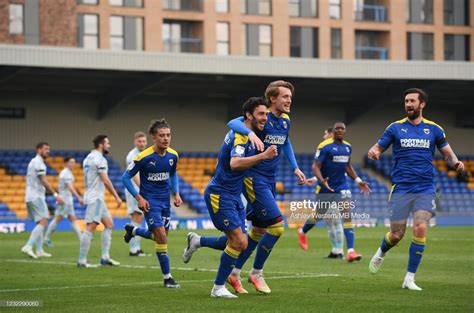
70,123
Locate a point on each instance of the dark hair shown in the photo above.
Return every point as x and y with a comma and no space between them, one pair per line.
68,158
41,144
273,90
329,130
99,139
252,103
422,96
157,124
338,122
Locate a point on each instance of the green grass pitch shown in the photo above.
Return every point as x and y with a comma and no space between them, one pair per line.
300,281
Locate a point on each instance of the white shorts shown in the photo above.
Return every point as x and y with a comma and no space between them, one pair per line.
132,205
37,209
65,209
96,211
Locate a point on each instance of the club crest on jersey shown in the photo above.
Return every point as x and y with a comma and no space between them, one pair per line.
427,131
226,222
151,221
171,162
285,125
347,149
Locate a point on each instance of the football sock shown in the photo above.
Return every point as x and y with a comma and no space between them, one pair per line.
253,240
51,229
417,247
386,244
85,245
135,241
143,232
76,229
162,255
106,240
266,245
214,242
349,233
39,238
228,260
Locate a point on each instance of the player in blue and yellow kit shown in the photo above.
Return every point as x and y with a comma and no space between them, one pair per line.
260,190
222,195
157,167
413,141
331,163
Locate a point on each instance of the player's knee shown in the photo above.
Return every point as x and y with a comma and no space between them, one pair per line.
43,222
419,230
276,230
396,237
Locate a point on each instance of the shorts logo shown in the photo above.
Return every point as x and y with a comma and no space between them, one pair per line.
427,131
171,162
226,222
264,212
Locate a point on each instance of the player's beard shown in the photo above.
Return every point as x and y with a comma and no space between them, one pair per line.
105,152
414,115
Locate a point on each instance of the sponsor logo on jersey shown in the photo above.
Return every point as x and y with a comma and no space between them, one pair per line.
158,176
340,158
275,139
415,143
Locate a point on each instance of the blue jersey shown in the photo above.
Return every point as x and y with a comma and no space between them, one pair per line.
413,149
225,179
334,158
155,171
275,133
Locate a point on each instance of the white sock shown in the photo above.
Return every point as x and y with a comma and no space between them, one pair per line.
166,276
76,229
339,236
236,272
410,276
50,230
106,240
84,246
349,250
39,238
254,271
216,287
135,241
34,234
379,253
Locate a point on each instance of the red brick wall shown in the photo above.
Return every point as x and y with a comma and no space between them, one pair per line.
5,36
58,23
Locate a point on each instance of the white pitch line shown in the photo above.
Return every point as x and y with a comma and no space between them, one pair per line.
191,269
151,283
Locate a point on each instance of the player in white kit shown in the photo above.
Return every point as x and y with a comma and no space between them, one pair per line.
96,180
66,191
136,215
36,186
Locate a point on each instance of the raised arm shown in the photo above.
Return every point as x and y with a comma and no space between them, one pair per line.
238,126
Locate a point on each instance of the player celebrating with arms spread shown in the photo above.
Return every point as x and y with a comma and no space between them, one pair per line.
414,139
157,168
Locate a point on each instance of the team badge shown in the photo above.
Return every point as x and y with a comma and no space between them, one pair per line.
427,131
347,149
151,221
264,212
171,162
131,166
226,222
285,125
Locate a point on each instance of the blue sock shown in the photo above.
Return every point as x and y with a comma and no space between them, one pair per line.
265,246
228,259
308,225
253,240
162,254
143,232
386,243
349,233
417,247
217,243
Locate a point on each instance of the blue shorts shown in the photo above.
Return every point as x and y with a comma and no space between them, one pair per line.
159,214
262,208
226,211
411,197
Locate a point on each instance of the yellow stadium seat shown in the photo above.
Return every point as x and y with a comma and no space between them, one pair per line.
19,199
452,174
7,198
3,171
6,178
470,185
280,188
18,178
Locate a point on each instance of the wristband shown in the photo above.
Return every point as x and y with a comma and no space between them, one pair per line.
357,180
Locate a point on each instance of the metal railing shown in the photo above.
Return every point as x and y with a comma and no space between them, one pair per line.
189,45
373,13
372,53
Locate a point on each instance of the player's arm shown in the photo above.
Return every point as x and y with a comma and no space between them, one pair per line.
136,180
363,185
238,126
41,172
311,181
110,187
290,156
73,190
451,158
384,142
130,172
174,184
319,175
241,163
